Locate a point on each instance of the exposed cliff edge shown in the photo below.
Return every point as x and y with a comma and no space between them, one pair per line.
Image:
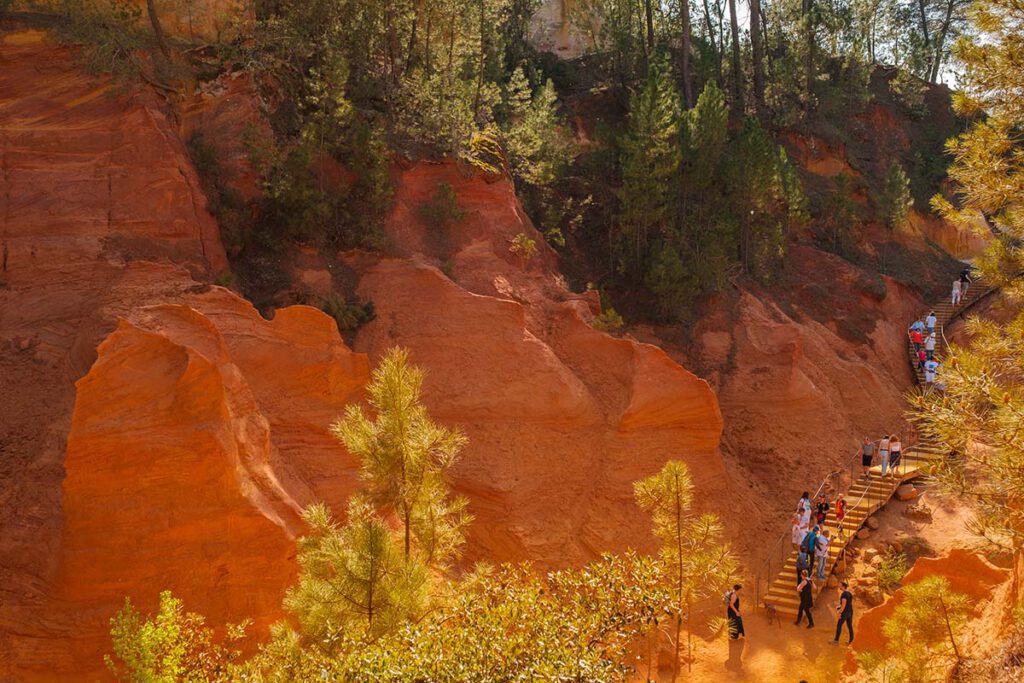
197,430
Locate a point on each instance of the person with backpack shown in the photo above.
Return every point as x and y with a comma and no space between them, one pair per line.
806,590
803,563
732,613
803,508
844,608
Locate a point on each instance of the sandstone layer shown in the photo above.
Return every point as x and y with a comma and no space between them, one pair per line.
99,213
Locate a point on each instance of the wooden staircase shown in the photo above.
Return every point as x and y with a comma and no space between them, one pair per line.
869,492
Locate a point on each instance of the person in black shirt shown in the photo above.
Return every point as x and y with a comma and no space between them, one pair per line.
806,591
733,613
822,509
845,611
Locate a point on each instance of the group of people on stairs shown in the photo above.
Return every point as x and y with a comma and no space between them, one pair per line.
812,541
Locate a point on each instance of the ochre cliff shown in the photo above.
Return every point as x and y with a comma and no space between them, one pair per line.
162,435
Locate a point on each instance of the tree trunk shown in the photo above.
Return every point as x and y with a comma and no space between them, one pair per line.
737,68
940,42
757,56
808,11
158,30
711,38
649,13
684,71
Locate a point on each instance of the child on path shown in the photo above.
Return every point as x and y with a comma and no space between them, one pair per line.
956,292
883,454
895,450
930,368
921,358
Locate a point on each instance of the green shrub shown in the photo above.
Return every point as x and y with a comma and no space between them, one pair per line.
892,570
442,209
523,246
609,321
350,315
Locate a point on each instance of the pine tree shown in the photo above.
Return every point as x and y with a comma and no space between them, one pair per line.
921,634
895,201
696,559
649,162
404,459
353,579
988,166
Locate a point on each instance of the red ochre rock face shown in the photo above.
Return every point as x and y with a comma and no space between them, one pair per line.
165,436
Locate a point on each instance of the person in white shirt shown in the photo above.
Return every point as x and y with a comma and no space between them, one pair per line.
799,531
931,321
956,292
929,346
930,368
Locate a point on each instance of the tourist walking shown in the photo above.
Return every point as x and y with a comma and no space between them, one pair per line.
895,451
798,533
821,510
922,357
732,612
883,454
844,609
965,282
867,454
840,513
929,346
821,552
956,292
931,321
917,325
804,509
930,368
803,564
806,590
917,338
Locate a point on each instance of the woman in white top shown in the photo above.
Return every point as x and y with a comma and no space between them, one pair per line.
799,531
883,453
956,292
895,450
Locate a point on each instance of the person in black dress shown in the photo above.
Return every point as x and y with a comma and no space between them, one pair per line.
733,613
806,591
845,611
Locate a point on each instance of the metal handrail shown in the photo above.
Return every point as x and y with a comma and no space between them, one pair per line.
780,543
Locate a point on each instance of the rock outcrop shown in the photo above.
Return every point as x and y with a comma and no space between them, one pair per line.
99,214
